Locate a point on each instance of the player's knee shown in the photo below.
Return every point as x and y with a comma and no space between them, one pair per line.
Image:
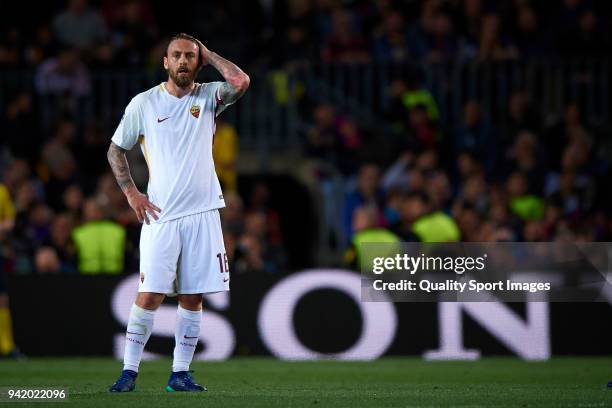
149,301
191,302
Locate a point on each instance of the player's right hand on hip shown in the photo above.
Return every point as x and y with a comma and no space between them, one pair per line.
143,207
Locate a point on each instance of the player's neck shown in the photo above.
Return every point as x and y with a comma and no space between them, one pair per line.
177,91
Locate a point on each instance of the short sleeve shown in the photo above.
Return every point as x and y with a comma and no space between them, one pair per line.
213,92
131,125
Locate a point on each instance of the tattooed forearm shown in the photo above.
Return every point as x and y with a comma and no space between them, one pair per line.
237,81
121,169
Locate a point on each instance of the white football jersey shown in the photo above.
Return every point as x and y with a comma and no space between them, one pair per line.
176,138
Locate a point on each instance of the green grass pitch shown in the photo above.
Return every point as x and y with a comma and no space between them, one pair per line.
389,382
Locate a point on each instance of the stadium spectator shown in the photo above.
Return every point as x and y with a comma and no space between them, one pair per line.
419,221
92,142
17,171
262,253
368,192
59,242
469,22
25,197
39,220
526,206
438,190
443,44
530,41
367,230
520,116
473,194
322,136
132,30
398,176
391,44
225,154
233,214
22,136
63,75
259,203
297,49
570,128
7,212
46,261
524,156
587,40
43,47
63,82
72,200
100,243
421,29
469,222
417,94
111,202
346,43
248,256
422,132
60,164
11,47
79,26
7,223
474,134
493,44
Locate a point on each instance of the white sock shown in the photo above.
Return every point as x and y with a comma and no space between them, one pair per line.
138,332
186,336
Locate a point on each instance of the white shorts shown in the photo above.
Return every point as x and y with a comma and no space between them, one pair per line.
184,256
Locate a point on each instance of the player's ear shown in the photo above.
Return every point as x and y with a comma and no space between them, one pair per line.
165,62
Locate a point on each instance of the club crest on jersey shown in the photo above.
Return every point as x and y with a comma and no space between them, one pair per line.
195,111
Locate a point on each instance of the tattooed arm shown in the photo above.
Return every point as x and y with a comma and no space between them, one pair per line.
121,169
237,81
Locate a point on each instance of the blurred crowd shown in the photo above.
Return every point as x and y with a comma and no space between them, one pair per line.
518,178
133,33
437,30
52,221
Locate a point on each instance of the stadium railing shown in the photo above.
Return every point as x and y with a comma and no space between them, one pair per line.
271,116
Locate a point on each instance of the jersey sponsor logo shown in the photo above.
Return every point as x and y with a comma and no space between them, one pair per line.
195,111
161,120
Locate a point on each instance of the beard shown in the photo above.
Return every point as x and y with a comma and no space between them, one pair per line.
181,78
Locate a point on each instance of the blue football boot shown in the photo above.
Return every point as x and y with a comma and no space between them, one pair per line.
125,383
183,381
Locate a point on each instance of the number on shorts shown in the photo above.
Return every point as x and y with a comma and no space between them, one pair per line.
223,262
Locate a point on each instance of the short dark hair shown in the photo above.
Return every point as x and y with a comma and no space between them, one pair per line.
184,36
